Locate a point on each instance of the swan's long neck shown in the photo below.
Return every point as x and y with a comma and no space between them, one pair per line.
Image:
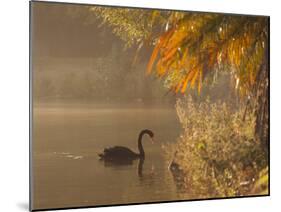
140,145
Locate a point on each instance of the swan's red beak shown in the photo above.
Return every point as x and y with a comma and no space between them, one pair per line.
152,140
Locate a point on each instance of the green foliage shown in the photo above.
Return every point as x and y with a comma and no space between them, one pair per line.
262,186
133,26
188,45
217,151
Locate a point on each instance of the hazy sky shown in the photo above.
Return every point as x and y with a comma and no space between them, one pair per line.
61,30
74,58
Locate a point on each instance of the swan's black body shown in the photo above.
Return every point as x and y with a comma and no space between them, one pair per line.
123,154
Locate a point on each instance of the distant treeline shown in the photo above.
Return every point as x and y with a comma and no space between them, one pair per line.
107,79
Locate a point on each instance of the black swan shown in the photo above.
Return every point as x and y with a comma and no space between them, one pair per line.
124,154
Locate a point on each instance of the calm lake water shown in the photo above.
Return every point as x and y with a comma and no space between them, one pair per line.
66,168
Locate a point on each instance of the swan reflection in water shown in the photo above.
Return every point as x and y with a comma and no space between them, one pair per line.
140,165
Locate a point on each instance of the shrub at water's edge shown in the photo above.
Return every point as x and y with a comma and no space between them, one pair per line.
217,154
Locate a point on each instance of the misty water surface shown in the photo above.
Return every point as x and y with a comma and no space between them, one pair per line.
67,138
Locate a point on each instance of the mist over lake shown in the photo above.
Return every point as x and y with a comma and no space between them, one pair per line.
66,166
